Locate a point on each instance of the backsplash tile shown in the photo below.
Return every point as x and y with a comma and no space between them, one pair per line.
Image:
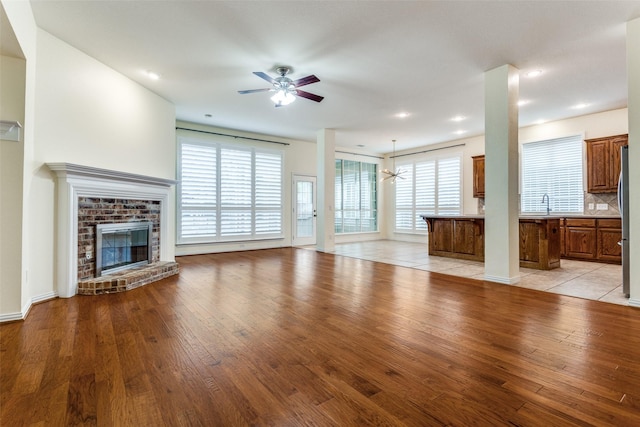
610,199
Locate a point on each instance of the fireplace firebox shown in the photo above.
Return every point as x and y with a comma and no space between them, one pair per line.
122,246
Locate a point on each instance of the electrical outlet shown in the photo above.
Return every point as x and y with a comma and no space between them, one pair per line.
592,206
602,207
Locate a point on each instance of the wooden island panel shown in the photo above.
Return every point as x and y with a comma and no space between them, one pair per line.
540,243
463,238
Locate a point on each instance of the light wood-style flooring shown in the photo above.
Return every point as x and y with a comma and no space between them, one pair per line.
294,337
590,280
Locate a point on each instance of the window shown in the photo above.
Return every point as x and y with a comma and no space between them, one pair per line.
552,167
431,186
356,197
227,192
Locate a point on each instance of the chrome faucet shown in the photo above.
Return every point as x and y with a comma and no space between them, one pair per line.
546,196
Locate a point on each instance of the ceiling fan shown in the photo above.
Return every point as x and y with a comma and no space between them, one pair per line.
392,174
285,89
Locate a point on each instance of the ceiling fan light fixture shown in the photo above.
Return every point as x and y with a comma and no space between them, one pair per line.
283,97
286,90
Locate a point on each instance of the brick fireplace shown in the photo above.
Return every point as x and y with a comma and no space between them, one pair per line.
88,196
102,210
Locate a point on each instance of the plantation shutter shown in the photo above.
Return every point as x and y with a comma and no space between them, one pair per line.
228,193
553,167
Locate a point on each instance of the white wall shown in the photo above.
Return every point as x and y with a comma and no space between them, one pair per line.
597,125
12,87
15,299
83,112
88,114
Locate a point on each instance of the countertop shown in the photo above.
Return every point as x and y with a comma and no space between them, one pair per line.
552,216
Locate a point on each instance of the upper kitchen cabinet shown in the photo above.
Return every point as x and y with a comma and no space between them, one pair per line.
478,176
603,163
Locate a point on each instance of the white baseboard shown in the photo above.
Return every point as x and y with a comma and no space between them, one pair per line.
12,317
503,280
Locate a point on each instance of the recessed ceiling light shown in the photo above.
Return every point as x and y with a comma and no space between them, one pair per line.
580,106
208,116
361,145
457,118
534,73
523,102
460,132
539,122
402,115
152,75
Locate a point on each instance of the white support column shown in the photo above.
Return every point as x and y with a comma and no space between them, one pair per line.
633,103
326,141
501,240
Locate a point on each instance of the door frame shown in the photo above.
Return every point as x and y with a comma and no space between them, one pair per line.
303,241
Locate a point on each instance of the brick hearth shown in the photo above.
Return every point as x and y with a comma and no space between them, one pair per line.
128,279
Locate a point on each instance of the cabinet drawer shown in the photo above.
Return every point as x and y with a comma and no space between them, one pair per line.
610,223
580,222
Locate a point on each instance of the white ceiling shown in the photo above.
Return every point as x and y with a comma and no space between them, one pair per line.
374,59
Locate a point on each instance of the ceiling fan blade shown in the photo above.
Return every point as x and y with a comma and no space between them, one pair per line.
306,81
255,90
265,76
308,95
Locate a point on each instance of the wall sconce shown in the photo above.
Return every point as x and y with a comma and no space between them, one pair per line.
10,130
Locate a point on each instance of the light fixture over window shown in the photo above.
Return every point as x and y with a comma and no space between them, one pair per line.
392,174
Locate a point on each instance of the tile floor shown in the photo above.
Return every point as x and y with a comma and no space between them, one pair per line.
590,280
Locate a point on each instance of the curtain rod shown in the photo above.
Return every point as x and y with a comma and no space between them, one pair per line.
358,154
427,151
233,136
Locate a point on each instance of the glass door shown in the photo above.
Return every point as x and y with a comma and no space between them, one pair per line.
304,210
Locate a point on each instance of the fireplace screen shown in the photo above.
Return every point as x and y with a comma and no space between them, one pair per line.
121,246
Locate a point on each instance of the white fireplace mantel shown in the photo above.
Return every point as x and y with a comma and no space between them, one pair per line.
75,181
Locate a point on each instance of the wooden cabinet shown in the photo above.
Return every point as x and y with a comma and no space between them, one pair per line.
609,233
457,238
478,176
580,238
603,163
563,252
463,238
592,239
540,243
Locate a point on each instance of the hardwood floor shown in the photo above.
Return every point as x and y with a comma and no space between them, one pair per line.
290,337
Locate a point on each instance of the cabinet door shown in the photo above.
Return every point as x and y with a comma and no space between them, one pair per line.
440,238
464,237
478,176
563,251
609,234
529,241
580,242
598,166
608,248
614,163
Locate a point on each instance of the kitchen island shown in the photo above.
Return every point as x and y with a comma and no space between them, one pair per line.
462,237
